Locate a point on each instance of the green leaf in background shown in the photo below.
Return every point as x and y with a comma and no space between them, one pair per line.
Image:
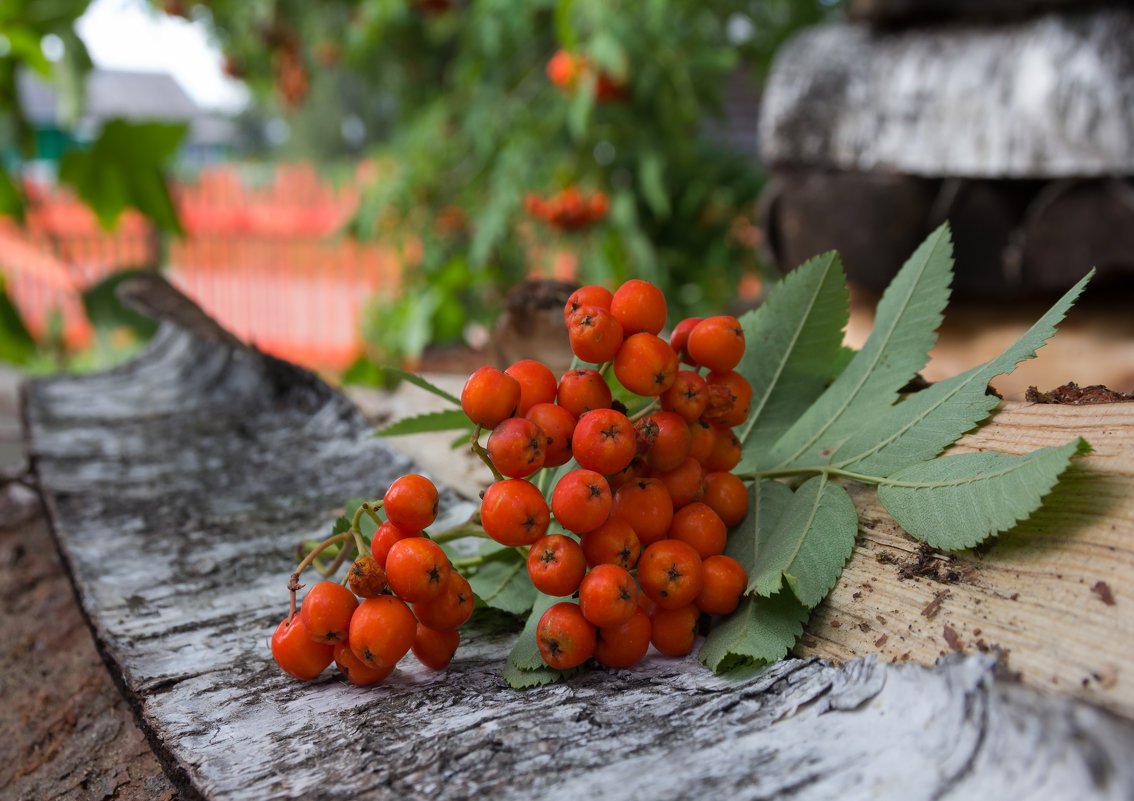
956,501
366,524
106,312
793,342
503,583
125,168
905,328
767,500
11,198
423,423
761,630
651,179
420,382
16,343
924,424
810,544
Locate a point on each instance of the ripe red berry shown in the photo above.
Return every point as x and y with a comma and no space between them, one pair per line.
514,512
604,441
684,483
639,306
434,648
326,611
411,502
608,595
717,343
382,630
517,447
564,637
357,671
727,495
557,425
556,565
624,645
671,446
594,334
537,384
384,538
589,295
673,631
367,577
669,571
417,569
688,396
725,581
451,608
645,364
699,526
614,543
646,506
679,339
726,451
581,500
730,398
490,396
583,390
297,653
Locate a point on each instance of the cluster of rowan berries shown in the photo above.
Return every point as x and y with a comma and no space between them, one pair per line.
566,70
403,595
646,512
568,210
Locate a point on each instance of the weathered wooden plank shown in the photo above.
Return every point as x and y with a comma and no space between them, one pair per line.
1050,96
177,486
889,12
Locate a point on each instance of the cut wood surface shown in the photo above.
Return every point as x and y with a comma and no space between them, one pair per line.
177,487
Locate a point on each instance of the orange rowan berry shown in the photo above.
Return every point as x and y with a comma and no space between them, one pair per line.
624,645
384,538
556,565
698,525
537,384
725,581
297,653
434,648
669,571
357,671
326,611
632,472
564,637
688,396
517,447
417,569
603,441
639,306
671,447
451,608
645,364
730,398
581,500
726,451
589,295
557,425
673,631
612,543
490,396
703,437
717,343
608,595
411,502
594,334
727,495
382,630
513,512
583,390
367,577
679,339
684,483
646,506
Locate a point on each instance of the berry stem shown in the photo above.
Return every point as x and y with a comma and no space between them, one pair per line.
293,584
649,408
480,451
459,532
476,561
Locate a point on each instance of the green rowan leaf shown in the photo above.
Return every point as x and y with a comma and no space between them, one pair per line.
905,328
792,344
503,583
423,423
761,630
809,545
421,383
924,424
956,501
525,667
767,500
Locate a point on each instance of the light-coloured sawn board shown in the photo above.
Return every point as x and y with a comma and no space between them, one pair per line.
1053,595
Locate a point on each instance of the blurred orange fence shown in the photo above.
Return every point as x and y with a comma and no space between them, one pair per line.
264,260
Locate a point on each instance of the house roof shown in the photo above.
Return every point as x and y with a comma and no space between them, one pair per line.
112,93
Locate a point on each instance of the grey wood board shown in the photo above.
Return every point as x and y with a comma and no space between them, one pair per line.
1050,96
177,487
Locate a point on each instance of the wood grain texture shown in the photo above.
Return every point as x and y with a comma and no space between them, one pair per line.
1050,96
176,488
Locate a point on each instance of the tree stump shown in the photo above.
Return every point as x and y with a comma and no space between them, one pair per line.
177,487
